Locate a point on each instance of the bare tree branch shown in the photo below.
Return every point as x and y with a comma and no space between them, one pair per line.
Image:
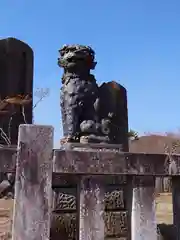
23,113
21,101
4,136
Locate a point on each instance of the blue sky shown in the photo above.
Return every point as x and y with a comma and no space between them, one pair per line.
137,43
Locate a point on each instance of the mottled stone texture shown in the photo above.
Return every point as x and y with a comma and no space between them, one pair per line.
65,207
90,113
143,220
91,209
65,199
114,99
65,224
33,187
112,163
16,74
140,200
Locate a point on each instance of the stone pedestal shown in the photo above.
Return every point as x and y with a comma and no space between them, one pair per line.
70,196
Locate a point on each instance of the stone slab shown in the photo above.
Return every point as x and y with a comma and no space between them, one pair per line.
114,163
92,146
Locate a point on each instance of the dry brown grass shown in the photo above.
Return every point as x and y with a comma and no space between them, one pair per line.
164,212
6,212
154,143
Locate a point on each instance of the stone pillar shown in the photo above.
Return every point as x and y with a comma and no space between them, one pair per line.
16,77
91,205
143,219
33,186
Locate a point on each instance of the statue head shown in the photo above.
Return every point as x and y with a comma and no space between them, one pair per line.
76,57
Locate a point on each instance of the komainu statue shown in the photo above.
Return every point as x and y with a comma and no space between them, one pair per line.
90,113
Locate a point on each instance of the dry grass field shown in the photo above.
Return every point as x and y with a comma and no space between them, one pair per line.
163,210
6,212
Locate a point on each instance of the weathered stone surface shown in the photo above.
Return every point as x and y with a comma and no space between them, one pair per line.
163,212
61,181
16,74
114,199
115,224
85,118
115,97
100,162
65,199
32,209
63,224
143,220
86,147
91,208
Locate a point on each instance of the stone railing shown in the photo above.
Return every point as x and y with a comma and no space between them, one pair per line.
36,162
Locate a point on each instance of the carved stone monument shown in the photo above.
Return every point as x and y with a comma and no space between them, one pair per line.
90,113
94,118
16,83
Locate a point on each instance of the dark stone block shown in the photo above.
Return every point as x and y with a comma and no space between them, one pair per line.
16,74
61,181
63,225
115,224
64,200
114,198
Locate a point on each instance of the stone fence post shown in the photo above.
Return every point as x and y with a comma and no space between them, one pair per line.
143,220
32,207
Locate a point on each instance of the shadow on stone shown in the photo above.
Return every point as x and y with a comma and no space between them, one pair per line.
167,231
